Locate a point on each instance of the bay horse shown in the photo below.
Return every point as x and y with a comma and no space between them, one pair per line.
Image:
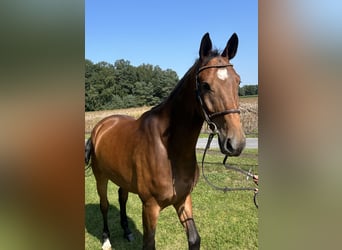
155,155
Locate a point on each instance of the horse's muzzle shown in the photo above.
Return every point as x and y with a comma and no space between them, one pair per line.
232,146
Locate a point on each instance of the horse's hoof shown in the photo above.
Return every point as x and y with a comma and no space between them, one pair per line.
129,237
106,245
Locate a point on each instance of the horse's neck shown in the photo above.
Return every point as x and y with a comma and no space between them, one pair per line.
185,121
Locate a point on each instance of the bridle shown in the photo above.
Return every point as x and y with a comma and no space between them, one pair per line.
208,117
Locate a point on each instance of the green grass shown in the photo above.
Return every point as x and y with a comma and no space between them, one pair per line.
253,134
224,220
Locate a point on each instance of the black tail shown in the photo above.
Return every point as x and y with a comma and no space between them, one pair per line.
88,151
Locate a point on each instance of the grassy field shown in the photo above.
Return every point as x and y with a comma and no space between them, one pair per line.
224,220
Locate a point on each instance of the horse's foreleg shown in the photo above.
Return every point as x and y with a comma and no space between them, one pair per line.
151,212
101,185
123,196
184,211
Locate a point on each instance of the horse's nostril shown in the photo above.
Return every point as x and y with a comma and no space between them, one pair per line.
229,145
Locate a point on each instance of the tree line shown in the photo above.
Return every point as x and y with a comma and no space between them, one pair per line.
248,90
122,85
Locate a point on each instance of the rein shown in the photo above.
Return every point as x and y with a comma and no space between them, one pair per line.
228,167
208,118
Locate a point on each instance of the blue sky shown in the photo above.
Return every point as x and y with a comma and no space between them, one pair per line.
168,33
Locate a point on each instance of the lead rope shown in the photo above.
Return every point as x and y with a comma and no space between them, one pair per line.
227,166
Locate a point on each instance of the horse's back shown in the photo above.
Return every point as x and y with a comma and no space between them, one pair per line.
110,124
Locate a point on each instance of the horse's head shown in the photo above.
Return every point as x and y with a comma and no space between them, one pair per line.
217,86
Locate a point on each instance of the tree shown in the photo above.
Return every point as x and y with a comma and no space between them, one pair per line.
248,90
121,85
241,91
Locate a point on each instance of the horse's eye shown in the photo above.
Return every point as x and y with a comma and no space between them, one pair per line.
205,87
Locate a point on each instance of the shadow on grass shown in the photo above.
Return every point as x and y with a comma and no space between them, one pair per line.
94,226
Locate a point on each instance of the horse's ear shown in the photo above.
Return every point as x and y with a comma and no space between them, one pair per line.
205,46
231,48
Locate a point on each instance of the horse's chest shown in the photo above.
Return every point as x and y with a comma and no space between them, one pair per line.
174,193
180,187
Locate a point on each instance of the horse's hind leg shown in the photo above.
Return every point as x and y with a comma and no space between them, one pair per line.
101,185
123,196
